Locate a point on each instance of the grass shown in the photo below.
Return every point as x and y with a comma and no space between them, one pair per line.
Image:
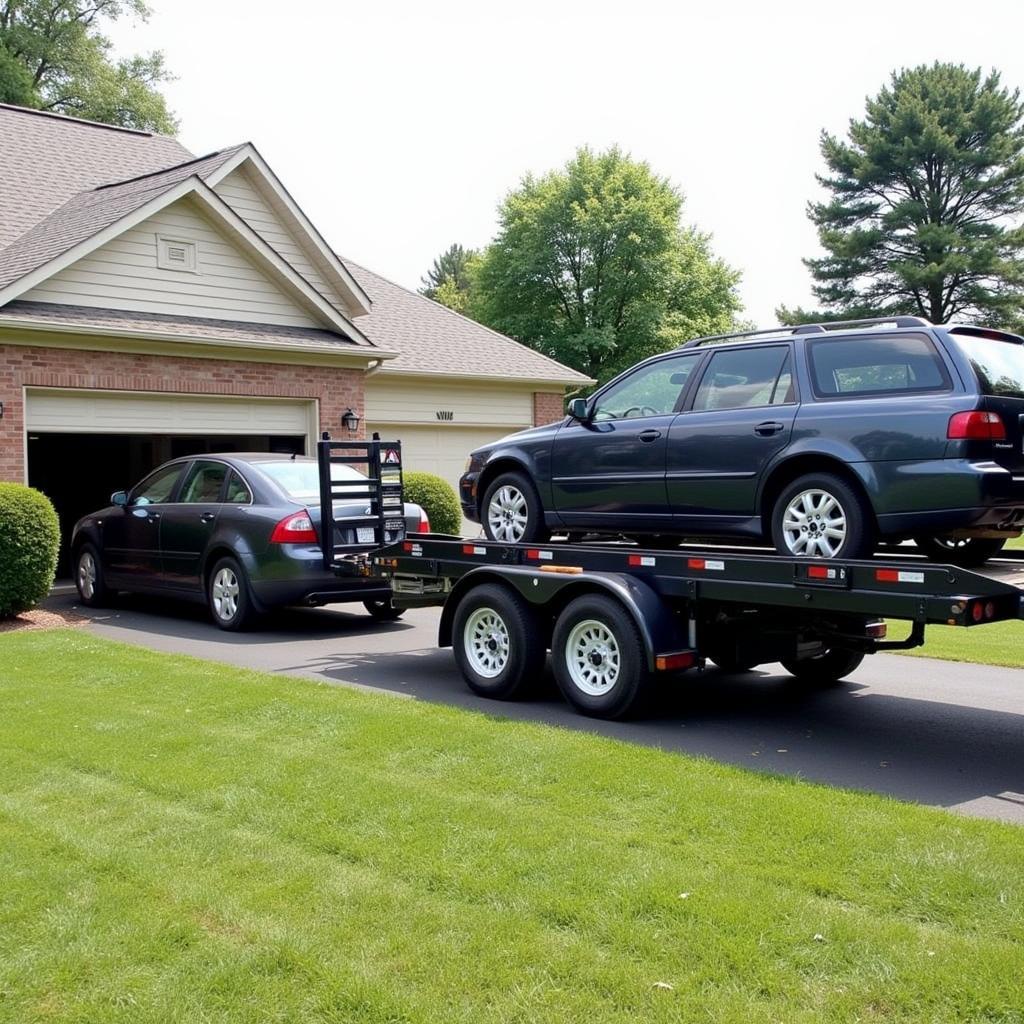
183,841
1001,643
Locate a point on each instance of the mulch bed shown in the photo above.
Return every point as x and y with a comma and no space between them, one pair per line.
39,619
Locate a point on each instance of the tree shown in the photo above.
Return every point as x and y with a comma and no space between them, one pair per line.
449,280
592,267
53,57
926,200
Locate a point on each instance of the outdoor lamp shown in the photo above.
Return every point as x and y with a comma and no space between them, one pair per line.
350,421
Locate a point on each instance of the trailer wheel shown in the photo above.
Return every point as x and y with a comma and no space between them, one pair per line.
825,669
598,658
497,642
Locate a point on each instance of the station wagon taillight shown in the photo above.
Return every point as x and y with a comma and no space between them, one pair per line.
976,426
295,529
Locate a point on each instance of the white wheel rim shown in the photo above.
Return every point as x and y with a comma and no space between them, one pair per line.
814,524
592,657
225,594
485,641
87,575
507,514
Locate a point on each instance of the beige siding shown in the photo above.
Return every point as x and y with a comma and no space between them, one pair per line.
391,400
123,274
240,192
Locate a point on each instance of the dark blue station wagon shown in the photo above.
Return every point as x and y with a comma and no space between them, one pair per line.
823,439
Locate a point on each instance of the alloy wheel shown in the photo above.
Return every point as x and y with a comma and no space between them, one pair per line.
814,524
224,592
87,575
507,514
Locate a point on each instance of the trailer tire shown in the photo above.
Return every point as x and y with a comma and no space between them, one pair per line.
498,642
598,658
826,669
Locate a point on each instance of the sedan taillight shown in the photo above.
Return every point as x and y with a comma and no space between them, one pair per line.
424,526
976,426
295,529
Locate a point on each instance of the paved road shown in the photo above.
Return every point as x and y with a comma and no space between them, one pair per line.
941,733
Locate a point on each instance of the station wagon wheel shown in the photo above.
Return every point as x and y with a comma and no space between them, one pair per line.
821,516
227,594
962,551
511,510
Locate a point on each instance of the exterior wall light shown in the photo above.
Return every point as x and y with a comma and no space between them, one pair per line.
350,421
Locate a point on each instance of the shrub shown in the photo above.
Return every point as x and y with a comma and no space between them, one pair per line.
29,539
437,497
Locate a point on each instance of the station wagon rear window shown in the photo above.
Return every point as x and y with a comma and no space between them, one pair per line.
885,364
998,364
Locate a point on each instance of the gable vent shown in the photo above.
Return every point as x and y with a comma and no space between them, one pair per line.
177,254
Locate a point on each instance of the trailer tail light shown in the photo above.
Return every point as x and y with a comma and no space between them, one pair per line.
295,529
983,611
424,526
674,662
976,426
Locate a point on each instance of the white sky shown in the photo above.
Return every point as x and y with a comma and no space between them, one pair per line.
398,126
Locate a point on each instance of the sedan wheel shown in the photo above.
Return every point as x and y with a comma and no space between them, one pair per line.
87,576
224,594
814,523
89,580
228,595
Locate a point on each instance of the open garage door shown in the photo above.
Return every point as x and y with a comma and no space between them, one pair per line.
83,445
441,450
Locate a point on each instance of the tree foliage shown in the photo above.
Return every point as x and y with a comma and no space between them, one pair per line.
591,267
450,280
925,204
54,57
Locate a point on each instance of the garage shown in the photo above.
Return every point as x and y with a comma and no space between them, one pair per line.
83,445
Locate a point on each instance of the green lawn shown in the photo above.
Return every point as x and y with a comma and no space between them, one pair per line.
182,841
1001,643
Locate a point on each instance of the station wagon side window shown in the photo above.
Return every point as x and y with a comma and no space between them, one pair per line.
157,487
747,378
876,365
653,390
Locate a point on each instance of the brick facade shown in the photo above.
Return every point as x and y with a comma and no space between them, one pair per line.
337,389
547,407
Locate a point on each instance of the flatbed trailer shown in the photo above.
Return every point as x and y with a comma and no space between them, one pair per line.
616,616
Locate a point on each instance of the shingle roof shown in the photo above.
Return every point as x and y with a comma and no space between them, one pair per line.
88,213
45,159
430,338
46,314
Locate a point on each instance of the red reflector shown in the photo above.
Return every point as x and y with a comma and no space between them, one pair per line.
976,426
467,549
294,529
887,576
407,546
695,563
673,662
533,553
818,572
977,611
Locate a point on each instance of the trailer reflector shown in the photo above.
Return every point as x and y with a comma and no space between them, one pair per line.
537,555
898,576
565,570
821,572
473,549
674,662
708,564
412,549
648,560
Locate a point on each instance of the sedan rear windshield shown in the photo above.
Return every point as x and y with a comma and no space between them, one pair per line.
998,364
301,480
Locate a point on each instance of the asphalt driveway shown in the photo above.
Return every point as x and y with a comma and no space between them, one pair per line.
937,732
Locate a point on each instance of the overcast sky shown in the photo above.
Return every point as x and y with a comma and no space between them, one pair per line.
398,126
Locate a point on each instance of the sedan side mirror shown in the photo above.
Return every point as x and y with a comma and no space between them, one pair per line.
119,498
578,409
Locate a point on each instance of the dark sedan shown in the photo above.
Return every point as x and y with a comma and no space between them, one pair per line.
237,531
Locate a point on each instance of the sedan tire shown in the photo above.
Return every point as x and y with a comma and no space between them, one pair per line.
822,516
511,512
89,579
228,597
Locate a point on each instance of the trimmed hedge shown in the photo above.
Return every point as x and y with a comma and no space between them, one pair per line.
437,497
29,539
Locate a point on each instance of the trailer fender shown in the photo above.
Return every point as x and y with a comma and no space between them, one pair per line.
660,630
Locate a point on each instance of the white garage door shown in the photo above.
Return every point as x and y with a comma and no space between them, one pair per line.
440,450
59,410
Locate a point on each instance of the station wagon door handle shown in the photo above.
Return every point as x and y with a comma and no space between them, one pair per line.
769,428
649,435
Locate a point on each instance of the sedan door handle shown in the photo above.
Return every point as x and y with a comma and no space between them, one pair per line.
207,517
649,435
768,428
153,516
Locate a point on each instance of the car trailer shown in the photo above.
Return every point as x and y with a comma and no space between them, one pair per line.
616,617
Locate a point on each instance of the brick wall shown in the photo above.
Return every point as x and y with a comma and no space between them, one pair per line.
25,366
547,407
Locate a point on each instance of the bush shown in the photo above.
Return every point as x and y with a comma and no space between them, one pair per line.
438,498
29,539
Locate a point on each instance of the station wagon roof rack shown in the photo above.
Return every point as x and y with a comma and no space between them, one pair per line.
821,328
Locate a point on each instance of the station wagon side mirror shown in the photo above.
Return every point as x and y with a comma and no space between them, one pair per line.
578,409
119,498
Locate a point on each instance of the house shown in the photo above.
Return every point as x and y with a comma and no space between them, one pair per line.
154,303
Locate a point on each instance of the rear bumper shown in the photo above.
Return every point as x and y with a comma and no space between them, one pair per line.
295,574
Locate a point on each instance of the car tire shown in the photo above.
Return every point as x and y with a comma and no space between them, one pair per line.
598,658
963,551
228,596
89,578
498,642
801,498
511,511
826,669
382,610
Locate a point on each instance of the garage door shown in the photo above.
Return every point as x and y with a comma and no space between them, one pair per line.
127,412
440,450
